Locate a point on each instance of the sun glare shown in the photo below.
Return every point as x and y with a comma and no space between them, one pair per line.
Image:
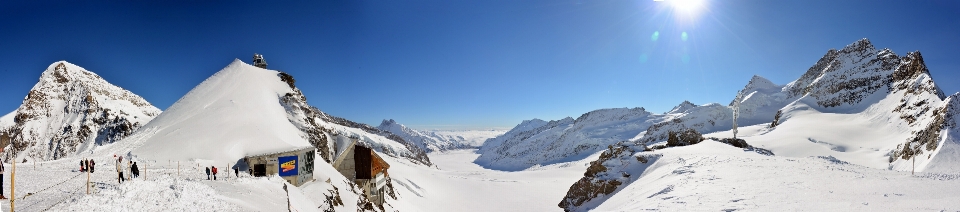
685,7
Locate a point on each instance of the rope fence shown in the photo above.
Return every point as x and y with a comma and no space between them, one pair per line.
33,202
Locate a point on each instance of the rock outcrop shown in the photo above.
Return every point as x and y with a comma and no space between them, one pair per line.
71,110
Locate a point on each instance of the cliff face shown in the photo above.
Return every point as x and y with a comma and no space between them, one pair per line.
318,126
71,110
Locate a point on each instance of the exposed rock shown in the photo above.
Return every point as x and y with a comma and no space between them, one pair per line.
71,110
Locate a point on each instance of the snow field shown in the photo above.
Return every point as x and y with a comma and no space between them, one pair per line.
714,176
457,184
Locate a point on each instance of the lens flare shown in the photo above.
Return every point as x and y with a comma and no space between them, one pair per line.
683,36
655,36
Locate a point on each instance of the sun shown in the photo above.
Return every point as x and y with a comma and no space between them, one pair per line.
685,7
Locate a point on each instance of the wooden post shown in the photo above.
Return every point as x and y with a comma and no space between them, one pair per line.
178,168
88,182
228,170
13,184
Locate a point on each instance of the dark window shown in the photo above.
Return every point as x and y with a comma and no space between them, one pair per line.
308,162
260,170
361,155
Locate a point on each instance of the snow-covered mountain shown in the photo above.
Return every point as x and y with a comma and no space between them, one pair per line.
857,105
534,143
245,110
71,110
437,140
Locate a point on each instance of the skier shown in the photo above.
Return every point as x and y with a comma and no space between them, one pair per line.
236,171
136,171
92,164
83,167
214,172
208,173
120,169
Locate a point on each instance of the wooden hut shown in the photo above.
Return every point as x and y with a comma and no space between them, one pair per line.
362,165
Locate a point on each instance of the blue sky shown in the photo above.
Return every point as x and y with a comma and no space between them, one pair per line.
466,64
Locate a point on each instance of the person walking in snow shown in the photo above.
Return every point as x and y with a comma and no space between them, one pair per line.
1,181
208,173
236,171
92,164
214,172
130,169
120,170
83,166
136,171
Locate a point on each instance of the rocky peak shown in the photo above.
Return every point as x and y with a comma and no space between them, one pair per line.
682,108
387,123
860,49
758,83
913,76
798,87
70,106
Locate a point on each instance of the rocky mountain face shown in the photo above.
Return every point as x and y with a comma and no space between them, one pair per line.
71,110
429,141
858,79
318,126
563,140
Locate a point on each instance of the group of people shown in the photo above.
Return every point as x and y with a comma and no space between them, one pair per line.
133,169
86,165
212,169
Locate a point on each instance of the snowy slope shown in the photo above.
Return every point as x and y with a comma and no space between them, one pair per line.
870,108
244,110
761,101
162,186
862,105
460,185
72,110
564,140
439,140
711,176
234,113
858,108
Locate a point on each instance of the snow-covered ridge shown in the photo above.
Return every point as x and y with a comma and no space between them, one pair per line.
682,107
72,110
434,140
564,140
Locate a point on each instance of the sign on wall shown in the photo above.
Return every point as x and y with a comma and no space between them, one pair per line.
288,165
